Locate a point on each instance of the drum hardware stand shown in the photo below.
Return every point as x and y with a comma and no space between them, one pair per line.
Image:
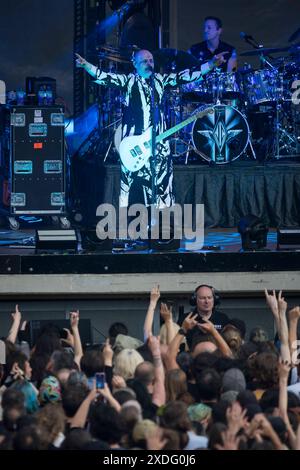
189,149
251,147
284,138
107,152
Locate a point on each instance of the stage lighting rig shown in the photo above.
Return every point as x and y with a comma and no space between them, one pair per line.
253,233
119,4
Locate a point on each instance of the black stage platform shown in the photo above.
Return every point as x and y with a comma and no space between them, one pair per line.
270,191
221,254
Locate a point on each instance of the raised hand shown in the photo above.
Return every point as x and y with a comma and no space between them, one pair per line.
294,313
282,304
190,321
165,312
69,339
155,294
16,372
74,319
219,59
16,315
80,61
107,353
207,326
235,416
118,382
272,302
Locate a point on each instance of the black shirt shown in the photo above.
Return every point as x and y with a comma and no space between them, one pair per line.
202,53
219,319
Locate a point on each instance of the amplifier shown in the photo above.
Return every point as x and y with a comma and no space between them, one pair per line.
37,160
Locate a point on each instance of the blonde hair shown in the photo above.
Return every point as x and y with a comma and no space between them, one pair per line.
163,332
126,362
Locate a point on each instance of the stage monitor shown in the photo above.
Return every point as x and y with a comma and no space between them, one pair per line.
288,238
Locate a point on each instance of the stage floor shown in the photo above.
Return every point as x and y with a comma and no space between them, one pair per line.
222,252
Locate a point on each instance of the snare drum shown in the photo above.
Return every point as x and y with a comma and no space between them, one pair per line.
262,86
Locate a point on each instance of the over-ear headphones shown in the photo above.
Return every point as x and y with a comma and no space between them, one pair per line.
216,296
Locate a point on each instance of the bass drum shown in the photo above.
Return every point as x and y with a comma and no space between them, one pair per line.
221,137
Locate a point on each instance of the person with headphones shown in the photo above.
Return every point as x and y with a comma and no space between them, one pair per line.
142,109
205,299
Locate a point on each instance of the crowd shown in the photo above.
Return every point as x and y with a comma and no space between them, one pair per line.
204,383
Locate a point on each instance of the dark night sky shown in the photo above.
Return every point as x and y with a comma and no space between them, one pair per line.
37,35
37,39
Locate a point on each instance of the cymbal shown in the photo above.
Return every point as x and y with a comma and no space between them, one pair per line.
174,60
108,52
113,58
294,36
295,49
129,49
118,54
264,51
109,48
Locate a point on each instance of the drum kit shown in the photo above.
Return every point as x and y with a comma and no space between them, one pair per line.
254,115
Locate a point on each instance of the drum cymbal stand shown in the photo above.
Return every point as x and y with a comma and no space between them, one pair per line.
251,146
286,139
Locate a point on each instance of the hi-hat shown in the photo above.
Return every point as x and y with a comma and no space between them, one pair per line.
295,35
265,51
174,60
295,49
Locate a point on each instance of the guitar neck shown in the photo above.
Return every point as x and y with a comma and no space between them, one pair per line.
179,126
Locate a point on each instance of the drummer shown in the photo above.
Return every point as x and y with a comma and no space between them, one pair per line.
205,50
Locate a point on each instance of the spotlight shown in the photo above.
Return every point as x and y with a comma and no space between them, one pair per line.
52,241
90,242
288,238
116,4
253,232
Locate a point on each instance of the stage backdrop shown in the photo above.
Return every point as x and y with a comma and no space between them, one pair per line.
36,36
36,39
270,22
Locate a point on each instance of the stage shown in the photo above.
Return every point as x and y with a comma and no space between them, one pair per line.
131,271
270,190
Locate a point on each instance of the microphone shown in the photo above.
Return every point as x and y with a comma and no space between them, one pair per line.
250,40
246,36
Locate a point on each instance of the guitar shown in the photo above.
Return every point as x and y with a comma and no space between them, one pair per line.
136,150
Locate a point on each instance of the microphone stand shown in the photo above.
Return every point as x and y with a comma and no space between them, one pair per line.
153,142
253,43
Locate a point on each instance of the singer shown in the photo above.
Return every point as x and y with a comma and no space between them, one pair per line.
142,108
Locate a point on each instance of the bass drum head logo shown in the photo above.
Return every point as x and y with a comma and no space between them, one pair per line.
222,136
